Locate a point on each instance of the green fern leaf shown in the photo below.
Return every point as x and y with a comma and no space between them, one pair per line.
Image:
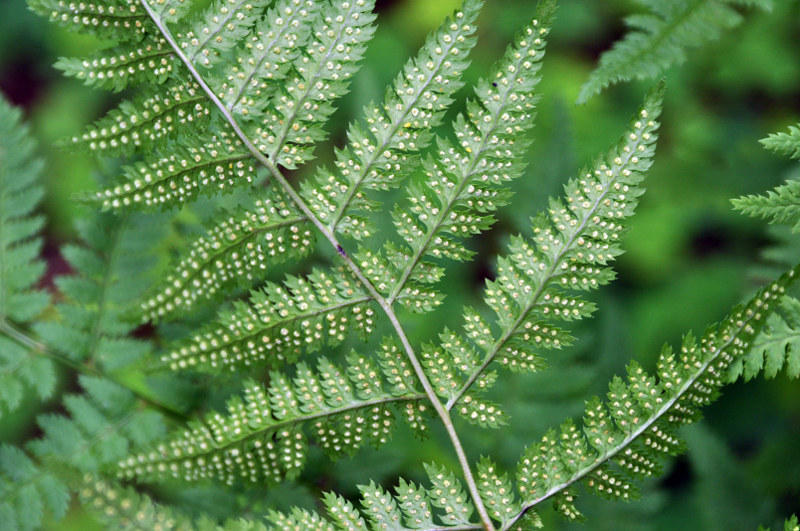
787,144
636,427
465,181
381,157
220,27
496,491
148,61
262,437
214,161
169,10
571,250
280,323
661,38
776,347
781,205
294,120
267,54
22,369
114,19
234,252
146,121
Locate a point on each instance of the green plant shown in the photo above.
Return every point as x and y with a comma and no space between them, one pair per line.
229,99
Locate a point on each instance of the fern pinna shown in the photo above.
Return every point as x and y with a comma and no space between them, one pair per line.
228,98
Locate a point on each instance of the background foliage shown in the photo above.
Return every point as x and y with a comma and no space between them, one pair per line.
689,256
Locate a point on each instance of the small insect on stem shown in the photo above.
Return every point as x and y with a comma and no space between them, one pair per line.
341,251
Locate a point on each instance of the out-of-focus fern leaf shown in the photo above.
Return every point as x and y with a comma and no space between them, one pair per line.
94,320
785,143
661,38
102,428
262,437
22,369
625,438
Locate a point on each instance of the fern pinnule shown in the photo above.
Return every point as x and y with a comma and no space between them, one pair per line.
120,20
132,63
785,143
266,56
219,28
234,252
146,121
279,323
380,157
263,438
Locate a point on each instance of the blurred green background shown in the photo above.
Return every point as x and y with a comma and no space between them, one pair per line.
689,256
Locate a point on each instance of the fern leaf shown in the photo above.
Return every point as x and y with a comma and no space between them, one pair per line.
626,437
787,144
280,323
661,38
99,433
22,368
169,10
20,193
381,157
221,26
443,506
267,54
781,205
214,161
148,61
146,121
234,252
571,250
262,437
294,121
114,19
496,491
465,181
776,347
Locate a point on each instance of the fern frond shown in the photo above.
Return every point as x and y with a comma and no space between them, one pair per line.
95,320
106,19
169,10
205,164
785,143
573,244
780,205
22,369
444,505
280,323
267,55
234,252
625,438
293,122
776,347
261,438
148,61
146,121
380,157
103,428
221,26
465,181
661,38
